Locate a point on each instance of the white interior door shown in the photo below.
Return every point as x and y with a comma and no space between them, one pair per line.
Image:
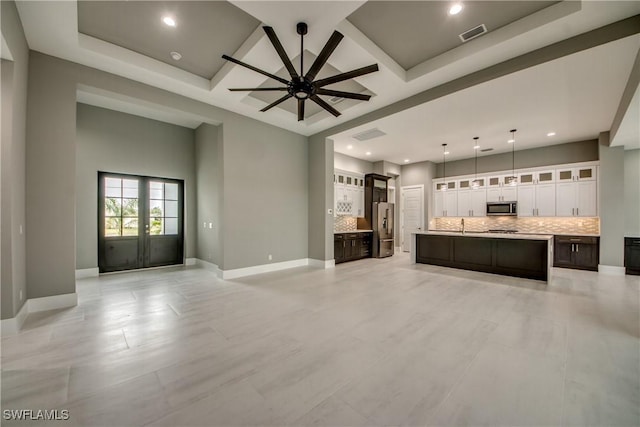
412,215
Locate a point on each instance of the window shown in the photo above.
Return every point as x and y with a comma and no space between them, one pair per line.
163,208
121,207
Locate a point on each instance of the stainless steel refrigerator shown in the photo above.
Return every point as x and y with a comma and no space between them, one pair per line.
382,229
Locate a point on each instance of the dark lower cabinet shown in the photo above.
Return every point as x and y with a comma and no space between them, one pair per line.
511,257
351,246
577,252
632,255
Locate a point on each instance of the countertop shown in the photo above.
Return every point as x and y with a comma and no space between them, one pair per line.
521,236
353,231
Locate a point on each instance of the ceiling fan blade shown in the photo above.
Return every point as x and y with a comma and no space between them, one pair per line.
273,104
327,50
300,110
342,94
257,70
346,76
320,102
281,52
257,89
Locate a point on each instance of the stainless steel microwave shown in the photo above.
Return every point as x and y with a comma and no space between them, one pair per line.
502,208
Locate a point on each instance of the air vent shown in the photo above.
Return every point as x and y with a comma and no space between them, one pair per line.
484,150
473,33
336,100
368,134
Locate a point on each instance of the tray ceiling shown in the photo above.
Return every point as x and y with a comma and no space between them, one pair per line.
412,32
201,35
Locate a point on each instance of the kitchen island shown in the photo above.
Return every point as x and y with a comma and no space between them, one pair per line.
520,255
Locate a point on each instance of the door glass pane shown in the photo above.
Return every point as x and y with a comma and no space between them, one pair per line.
112,226
112,206
451,185
528,178
120,207
156,226
130,226
155,190
565,174
130,208
155,208
464,184
113,187
493,181
171,226
171,209
170,191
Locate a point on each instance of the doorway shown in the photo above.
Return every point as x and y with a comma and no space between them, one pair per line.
140,222
412,215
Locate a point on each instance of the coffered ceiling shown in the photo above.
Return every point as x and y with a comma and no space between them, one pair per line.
414,43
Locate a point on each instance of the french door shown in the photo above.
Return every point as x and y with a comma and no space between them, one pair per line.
140,222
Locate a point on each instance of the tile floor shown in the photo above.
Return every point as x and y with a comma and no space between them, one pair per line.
372,342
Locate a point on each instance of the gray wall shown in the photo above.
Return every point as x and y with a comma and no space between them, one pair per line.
110,141
632,193
320,198
261,163
265,194
209,178
611,207
351,164
12,169
420,174
573,152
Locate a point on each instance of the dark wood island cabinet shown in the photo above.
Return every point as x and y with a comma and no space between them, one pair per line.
520,256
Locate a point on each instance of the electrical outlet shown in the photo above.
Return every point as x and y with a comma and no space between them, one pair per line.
20,294
330,211
204,224
210,225
270,257
21,231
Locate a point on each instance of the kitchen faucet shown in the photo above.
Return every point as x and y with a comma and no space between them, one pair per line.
462,225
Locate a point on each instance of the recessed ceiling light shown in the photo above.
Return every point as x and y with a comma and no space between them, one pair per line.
446,152
511,141
176,56
475,147
368,153
349,147
551,134
169,21
455,9
406,160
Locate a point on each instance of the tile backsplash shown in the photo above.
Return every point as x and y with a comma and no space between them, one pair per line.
343,223
524,225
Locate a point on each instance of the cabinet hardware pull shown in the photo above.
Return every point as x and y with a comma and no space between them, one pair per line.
577,211
572,247
344,243
577,247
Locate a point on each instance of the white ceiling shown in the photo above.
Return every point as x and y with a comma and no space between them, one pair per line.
575,96
51,27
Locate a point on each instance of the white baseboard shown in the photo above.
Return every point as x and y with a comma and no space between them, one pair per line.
33,305
190,261
83,273
13,325
209,266
611,270
264,268
52,302
320,263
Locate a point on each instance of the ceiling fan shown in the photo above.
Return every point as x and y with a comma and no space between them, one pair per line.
303,86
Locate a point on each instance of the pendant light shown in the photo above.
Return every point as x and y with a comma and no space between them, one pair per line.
444,167
513,179
475,184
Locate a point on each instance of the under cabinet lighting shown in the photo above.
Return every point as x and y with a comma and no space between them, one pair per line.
406,160
349,147
368,153
551,134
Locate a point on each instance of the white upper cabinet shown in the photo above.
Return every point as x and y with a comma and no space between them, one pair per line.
576,199
446,203
536,177
537,200
348,193
568,174
472,202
